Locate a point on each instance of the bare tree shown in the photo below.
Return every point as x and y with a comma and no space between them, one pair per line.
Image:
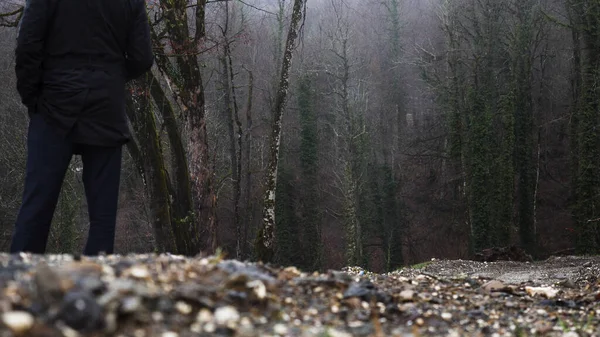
266,236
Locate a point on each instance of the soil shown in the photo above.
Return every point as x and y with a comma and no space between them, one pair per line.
174,296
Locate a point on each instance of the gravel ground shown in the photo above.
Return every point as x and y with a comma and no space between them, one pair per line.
171,296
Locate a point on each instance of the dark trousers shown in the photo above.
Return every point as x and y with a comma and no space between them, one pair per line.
48,158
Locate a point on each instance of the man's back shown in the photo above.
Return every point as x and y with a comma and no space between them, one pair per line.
90,28
73,59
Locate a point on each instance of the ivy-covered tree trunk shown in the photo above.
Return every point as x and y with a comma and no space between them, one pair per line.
587,211
227,115
185,74
247,150
289,251
265,243
480,98
230,113
352,230
393,221
478,171
148,156
309,146
182,203
522,46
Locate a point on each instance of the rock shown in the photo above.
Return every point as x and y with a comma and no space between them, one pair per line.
138,272
280,329
493,286
131,304
559,303
568,283
252,271
81,312
511,253
204,316
110,323
91,284
288,274
406,295
226,315
19,322
362,290
548,292
183,308
50,287
336,333
259,289
196,293
366,291
543,327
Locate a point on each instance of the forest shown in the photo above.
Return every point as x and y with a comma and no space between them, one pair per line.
331,133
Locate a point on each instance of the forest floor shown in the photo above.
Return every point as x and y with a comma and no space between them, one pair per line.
171,296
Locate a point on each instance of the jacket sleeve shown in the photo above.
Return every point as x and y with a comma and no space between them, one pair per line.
139,56
29,52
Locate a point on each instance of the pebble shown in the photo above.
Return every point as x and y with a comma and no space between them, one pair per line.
131,304
204,316
260,290
139,272
210,327
224,315
157,316
493,285
183,308
165,294
337,333
407,295
18,321
280,329
196,327
110,323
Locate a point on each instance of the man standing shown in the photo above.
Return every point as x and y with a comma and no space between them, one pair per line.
73,59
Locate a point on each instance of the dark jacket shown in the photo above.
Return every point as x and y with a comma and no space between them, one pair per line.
73,59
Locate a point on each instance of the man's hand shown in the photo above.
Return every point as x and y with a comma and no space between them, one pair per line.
139,57
30,49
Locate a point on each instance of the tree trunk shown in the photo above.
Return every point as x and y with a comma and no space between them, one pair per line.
265,243
248,147
237,163
309,153
182,204
191,97
523,112
588,183
150,160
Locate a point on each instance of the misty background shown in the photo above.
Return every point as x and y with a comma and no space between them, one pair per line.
412,130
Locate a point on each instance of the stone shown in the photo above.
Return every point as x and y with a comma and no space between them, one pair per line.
19,322
81,312
548,292
225,315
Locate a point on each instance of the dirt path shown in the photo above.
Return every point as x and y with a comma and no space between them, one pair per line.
555,270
